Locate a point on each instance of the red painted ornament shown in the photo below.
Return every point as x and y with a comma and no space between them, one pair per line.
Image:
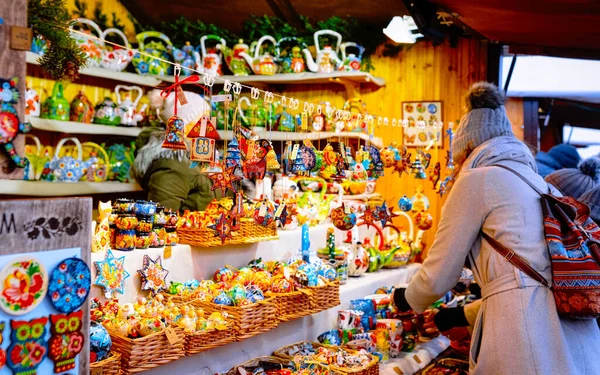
368,218
222,227
224,180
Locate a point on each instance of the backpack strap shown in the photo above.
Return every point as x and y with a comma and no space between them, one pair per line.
522,178
516,260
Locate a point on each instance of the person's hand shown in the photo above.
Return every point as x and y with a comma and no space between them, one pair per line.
457,334
429,325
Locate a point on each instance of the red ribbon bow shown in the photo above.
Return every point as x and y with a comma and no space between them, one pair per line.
177,86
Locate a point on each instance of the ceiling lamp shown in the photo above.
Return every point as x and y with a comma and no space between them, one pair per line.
400,30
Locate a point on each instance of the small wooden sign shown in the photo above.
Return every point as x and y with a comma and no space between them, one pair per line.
96,371
181,96
20,38
171,336
203,150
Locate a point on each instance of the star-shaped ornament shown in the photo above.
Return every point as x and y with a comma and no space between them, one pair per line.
224,180
222,227
403,165
369,217
154,276
111,274
384,214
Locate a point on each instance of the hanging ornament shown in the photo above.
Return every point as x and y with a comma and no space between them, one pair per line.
264,212
233,158
403,165
384,214
298,165
204,127
318,161
368,217
390,155
376,170
424,220
224,180
363,158
153,275
286,158
222,227
237,211
425,159
111,274
174,139
434,177
405,204
203,150
255,165
341,219
417,169
309,158
281,213
329,156
28,347
420,202
272,163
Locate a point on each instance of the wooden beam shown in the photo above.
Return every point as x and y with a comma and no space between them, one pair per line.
531,123
284,10
12,64
574,53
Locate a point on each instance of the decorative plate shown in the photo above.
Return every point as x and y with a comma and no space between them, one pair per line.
309,158
70,283
409,108
420,108
24,283
432,108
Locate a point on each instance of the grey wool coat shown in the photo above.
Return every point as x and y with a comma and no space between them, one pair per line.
517,331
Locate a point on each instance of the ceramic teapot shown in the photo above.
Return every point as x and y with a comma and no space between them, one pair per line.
351,62
82,109
116,59
357,122
284,121
358,257
292,62
97,163
56,107
32,103
262,64
188,58
66,168
128,106
236,63
107,113
211,59
256,114
149,64
93,48
327,59
37,157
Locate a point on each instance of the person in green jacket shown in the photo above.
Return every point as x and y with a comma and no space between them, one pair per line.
166,176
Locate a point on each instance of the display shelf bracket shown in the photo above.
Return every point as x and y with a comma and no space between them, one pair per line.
352,87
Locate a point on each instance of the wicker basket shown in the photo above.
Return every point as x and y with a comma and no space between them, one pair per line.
176,298
249,232
282,352
325,297
292,305
255,362
147,352
108,366
248,320
198,342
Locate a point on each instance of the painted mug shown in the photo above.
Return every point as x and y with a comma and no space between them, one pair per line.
330,338
349,319
395,330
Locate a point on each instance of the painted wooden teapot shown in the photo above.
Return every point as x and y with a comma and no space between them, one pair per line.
113,58
292,62
162,49
211,59
351,62
56,107
327,58
262,64
188,58
92,47
128,105
235,62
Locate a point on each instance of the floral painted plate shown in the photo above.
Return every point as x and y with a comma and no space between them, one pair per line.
23,285
70,283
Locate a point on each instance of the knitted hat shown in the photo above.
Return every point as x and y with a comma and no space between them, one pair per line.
592,199
486,119
576,181
566,155
190,112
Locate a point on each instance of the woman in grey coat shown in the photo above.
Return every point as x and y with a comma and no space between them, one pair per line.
517,330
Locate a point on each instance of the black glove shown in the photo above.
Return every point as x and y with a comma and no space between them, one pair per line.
448,318
400,301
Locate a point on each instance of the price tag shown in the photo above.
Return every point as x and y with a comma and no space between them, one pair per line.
203,123
181,95
280,209
96,371
295,151
221,98
168,252
417,359
262,210
398,371
20,38
171,336
304,124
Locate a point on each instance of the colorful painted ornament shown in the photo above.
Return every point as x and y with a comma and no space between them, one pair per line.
405,204
434,177
28,347
403,165
264,213
281,284
368,218
233,158
272,163
223,275
224,180
66,341
424,220
341,219
329,156
257,263
153,275
174,137
111,274
69,285
10,126
309,158
222,227
24,283
384,214
244,275
223,299
100,342
420,202
417,169
281,213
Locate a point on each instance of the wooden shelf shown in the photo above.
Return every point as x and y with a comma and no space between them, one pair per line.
81,128
137,79
291,136
58,189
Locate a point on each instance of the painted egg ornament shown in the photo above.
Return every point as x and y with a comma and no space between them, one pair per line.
223,299
100,342
262,280
341,219
257,263
328,272
405,204
424,220
223,275
192,284
274,266
244,275
280,284
420,202
237,293
254,295
264,213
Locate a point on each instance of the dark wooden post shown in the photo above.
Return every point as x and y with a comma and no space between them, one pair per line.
12,64
531,123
